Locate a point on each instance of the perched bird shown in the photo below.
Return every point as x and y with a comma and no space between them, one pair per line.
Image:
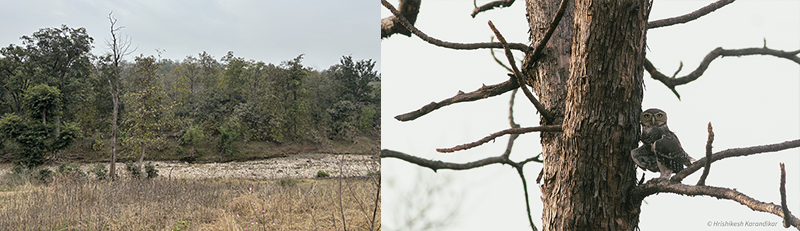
661,151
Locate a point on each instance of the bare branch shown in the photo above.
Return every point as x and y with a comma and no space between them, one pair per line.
707,168
734,152
657,186
527,200
451,45
689,17
436,164
718,52
511,123
786,214
543,128
498,60
491,5
481,93
518,75
391,25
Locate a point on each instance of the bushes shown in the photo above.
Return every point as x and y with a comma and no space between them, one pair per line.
99,171
134,171
322,174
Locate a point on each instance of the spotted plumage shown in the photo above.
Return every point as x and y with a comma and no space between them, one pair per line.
661,151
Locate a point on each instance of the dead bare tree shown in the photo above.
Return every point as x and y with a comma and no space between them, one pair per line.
118,49
586,66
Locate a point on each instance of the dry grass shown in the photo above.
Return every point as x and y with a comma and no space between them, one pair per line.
160,204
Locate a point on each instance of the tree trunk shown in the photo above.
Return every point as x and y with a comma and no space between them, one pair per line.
114,129
141,158
590,77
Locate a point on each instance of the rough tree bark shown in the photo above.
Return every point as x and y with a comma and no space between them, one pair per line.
590,76
589,82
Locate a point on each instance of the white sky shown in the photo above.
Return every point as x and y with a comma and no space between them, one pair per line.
751,100
269,31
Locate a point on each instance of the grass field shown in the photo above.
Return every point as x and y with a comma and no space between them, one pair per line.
83,203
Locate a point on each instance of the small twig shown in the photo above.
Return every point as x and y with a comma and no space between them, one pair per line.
451,45
511,123
718,52
680,67
690,16
707,168
491,50
481,93
491,5
543,128
735,152
518,75
539,178
527,200
787,216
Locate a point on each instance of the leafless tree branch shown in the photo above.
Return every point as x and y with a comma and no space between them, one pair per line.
527,199
735,152
481,93
543,128
511,123
690,16
518,76
437,164
391,25
657,186
671,82
491,5
785,209
707,168
451,45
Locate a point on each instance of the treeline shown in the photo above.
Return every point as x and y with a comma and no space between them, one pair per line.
55,91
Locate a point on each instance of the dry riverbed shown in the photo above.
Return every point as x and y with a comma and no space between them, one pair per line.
296,166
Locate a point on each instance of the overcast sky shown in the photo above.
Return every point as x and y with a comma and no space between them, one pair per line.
269,31
751,100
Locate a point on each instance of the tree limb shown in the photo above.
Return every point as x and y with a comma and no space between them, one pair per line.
527,200
657,186
518,75
481,93
671,82
690,16
457,46
391,25
543,128
436,164
734,152
785,209
511,123
707,168
491,5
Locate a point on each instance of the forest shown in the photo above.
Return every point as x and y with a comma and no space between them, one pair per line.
57,100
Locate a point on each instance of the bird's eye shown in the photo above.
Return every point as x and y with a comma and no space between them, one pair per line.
646,116
659,115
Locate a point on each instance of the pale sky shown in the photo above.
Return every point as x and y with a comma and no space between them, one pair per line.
269,31
751,100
